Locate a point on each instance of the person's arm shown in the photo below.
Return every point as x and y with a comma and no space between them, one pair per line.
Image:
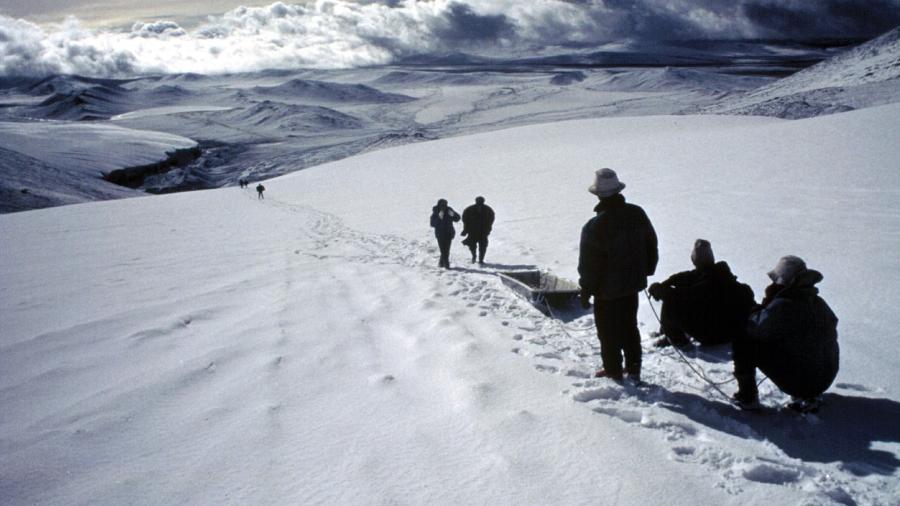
453,214
778,321
489,225
652,247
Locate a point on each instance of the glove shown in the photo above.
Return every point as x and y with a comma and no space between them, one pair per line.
585,298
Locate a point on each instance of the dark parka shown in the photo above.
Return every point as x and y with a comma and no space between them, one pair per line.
708,302
443,227
796,338
478,220
618,250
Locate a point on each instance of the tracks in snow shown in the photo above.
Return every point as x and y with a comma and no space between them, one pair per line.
736,449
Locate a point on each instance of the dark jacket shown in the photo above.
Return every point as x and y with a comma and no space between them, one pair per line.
708,302
796,336
478,220
443,227
618,250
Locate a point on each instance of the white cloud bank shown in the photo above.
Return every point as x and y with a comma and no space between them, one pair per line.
341,33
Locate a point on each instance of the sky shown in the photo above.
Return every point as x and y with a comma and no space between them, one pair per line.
122,37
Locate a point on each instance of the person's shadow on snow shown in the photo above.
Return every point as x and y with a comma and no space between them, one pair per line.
845,429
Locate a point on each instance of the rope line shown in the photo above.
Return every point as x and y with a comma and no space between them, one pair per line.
695,369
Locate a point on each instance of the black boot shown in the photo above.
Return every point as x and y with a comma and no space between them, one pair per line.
747,396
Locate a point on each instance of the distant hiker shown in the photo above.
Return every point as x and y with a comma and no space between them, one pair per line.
791,338
618,251
442,218
259,191
478,219
244,183
707,303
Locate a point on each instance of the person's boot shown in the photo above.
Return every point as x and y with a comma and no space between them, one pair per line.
678,341
805,405
603,373
747,396
634,374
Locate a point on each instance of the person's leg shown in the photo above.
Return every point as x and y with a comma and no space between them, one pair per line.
482,249
630,335
610,350
444,246
744,352
670,326
472,245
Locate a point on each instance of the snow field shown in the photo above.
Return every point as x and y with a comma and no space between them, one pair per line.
209,347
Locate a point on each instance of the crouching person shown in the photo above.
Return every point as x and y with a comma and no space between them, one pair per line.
706,303
791,338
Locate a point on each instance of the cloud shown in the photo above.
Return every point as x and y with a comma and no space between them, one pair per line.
343,33
822,18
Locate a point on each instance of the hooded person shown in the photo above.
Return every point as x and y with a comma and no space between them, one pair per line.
442,218
618,251
478,221
791,337
706,303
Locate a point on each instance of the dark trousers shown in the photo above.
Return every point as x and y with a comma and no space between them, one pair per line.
481,245
444,246
793,376
617,328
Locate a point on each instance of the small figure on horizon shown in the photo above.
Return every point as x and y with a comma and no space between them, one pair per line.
618,251
244,183
791,337
706,303
478,220
259,191
442,218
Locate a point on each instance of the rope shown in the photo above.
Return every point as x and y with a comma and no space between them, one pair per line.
695,369
561,325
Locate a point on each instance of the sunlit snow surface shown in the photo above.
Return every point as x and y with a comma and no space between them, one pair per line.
212,347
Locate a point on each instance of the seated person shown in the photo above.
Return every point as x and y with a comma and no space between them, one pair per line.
791,338
707,303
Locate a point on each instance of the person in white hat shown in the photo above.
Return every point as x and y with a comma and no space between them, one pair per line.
618,251
791,337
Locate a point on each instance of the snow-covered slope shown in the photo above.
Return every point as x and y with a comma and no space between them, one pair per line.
53,163
865,76
210,347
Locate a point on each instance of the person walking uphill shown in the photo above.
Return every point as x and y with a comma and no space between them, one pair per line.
478,220
259,191
791,337
442,218
618,251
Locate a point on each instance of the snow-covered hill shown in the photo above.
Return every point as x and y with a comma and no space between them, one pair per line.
53,163
210,347
320,91
865,76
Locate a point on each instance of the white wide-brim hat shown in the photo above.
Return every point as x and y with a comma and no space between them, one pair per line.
606,183
787,270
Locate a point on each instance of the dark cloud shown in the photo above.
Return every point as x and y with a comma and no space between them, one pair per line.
822,18
341,33
460,24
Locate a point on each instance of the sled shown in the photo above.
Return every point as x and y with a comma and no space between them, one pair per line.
541,288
